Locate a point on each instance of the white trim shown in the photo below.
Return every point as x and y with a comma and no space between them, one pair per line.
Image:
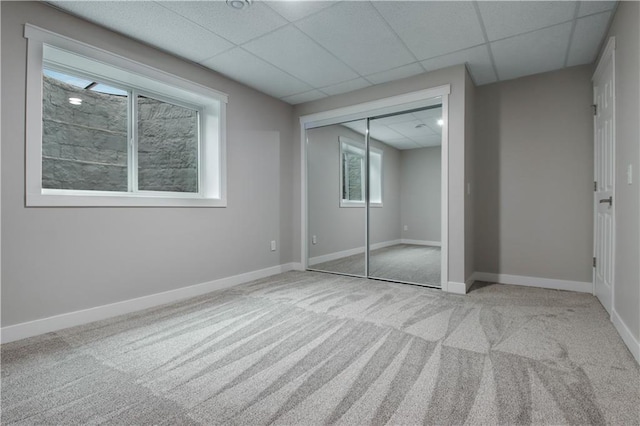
456,288
71,319
417,99
33,32
606,54
295,266
48,198
383,106
350,252
627,336
211,105
444,202
579,286
421,242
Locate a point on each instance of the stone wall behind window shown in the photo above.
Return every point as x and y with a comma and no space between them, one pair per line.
84,146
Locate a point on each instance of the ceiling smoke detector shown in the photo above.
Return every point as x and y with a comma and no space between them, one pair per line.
239,4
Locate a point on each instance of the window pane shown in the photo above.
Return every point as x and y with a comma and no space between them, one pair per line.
167,146
84,136
353,176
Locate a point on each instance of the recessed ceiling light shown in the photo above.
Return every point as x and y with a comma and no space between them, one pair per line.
75,101
239,4
440,122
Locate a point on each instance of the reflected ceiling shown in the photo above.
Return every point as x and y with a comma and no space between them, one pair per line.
419,129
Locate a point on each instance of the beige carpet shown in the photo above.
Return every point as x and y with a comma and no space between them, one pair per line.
307,348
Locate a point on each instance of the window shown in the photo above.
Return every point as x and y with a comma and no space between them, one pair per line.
106,131
353,172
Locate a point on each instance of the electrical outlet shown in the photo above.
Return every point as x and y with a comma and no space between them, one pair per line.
406,227
273,245
314,240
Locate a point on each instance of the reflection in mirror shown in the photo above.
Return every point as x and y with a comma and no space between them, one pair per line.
336,198
405,229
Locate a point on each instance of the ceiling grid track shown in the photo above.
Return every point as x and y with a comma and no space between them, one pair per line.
486,39
573,30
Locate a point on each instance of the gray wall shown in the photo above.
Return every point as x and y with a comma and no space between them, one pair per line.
420,193
342,228
625,28
534,177
456,77
58,260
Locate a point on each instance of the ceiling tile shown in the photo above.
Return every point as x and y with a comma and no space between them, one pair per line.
507,18
294,10
358,126
477,59
396,73
346,86
433,140
383,133
433,28
409,129
309,96
591,7
393,119
402,144
246,68
434,126
237,26
427,114
587,37
292,51
353,31
161,27
532,53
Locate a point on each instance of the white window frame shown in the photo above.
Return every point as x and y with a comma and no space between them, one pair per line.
144,80
347,144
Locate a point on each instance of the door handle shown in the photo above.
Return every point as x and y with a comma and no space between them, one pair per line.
607,200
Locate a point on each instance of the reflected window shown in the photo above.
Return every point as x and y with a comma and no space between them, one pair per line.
353,172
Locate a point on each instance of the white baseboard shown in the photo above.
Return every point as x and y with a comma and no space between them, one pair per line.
457,288
421,242
70,319
580,286
295,266
346,253
627,337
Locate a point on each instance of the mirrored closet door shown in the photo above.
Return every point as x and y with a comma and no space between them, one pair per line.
336,173
405,195
374,197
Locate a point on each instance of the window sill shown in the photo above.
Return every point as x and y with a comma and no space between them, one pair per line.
355,204
105,199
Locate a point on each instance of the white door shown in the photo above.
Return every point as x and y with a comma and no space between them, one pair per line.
604,186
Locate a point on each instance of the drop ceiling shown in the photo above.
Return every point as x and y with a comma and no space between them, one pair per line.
300,51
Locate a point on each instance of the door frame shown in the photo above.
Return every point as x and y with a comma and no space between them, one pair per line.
399,103
608,56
